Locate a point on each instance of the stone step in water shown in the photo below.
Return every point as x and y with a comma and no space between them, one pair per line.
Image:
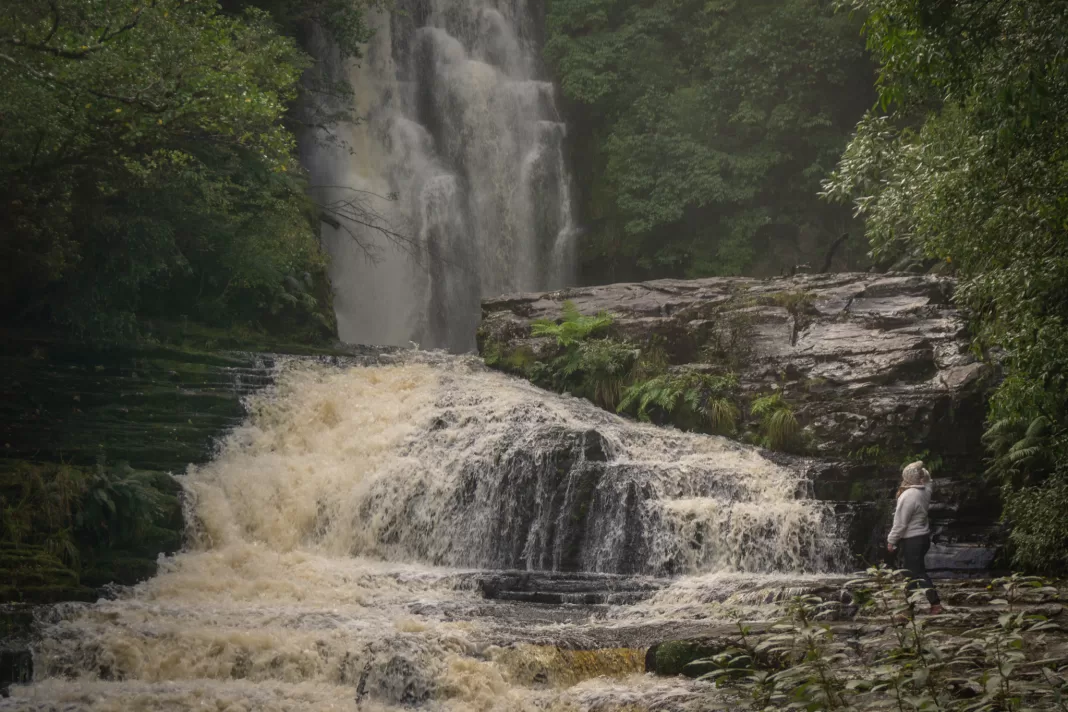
567,588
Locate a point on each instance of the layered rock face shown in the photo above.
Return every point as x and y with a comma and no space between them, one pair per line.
877,368
156,409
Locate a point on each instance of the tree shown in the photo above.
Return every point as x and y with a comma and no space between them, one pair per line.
146,170
704,129
965,161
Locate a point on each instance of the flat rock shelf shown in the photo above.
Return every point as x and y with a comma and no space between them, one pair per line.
878,367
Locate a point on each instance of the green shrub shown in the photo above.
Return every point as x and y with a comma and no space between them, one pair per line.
1039,535
962,663
779,429
597,370
150,175
689,400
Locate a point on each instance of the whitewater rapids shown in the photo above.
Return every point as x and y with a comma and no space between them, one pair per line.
336,543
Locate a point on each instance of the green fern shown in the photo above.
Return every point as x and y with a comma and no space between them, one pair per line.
1019,453
573,327
119,505
60,544
690,400
652,360
781,429
597,369
604,365
765,405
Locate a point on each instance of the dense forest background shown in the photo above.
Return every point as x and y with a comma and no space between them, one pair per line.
702,130
149,176
148,165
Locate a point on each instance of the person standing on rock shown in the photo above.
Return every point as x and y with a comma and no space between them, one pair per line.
911,533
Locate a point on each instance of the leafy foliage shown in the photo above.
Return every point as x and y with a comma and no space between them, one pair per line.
118,506
1039,536
704,129
147,171
965,162
573,327
686,399
802,662
587,364
597,370
1020,449
778,424
75,512
637,379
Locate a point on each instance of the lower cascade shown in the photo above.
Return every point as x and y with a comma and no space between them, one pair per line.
345,540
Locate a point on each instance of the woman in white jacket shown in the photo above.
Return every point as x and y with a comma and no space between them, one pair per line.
911,533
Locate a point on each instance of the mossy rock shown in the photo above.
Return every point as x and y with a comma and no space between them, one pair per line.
33,566
120,569
676,657
32,575
46,594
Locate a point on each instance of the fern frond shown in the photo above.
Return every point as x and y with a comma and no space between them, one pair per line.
1018,455
544,327
765,405
1002,433
1038,428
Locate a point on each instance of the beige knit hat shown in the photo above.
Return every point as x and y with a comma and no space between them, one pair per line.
915,475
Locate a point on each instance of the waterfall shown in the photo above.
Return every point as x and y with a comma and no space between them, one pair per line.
337,547
461,153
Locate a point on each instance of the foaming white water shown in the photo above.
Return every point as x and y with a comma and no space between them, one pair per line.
321,533
463,130
454,465
731,596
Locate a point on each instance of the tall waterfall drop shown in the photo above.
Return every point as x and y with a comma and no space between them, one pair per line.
461,152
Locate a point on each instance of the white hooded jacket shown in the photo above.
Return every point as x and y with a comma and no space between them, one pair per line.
910,516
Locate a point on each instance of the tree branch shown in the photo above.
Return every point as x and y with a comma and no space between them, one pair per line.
106,35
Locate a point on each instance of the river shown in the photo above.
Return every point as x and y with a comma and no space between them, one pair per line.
425,533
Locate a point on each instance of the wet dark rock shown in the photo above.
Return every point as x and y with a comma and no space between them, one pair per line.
877,367
16,668
683,657
17,627
570,588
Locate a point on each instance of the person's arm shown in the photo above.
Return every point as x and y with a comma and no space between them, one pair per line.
906,505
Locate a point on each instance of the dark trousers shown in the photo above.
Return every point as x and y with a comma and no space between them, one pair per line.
913,550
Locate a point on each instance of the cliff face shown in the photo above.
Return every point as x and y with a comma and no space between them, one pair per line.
877,369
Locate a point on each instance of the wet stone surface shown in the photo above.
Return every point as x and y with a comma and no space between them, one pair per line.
877,367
